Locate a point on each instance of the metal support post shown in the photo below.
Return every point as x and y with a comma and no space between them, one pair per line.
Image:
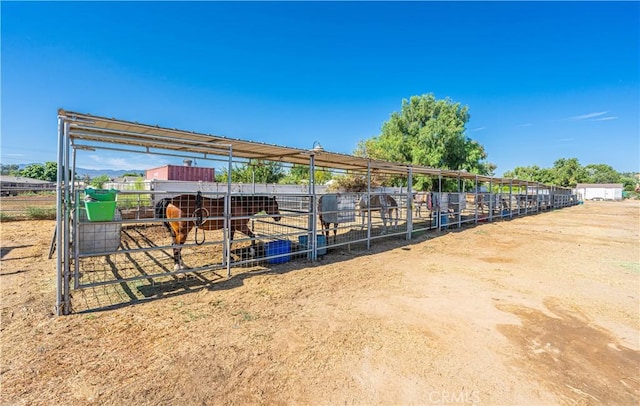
312,241
410,204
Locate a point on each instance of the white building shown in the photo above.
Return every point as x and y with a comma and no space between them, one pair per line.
599,191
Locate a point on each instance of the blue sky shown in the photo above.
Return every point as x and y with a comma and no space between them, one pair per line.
542,80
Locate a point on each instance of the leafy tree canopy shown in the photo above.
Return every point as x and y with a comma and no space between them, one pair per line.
98,181
532,173
33,171
11,169
351,183
568,172
428,132
299,174
601,173
260,171
48,171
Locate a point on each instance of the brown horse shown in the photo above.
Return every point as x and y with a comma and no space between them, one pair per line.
195,211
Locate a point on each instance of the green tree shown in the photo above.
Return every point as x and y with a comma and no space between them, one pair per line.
33,171
98,181
630,180
260,171
350,183
569,172
532,173
50,171
299,174
601,173
428,132
11,169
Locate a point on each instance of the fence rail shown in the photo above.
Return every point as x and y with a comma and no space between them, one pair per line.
26,206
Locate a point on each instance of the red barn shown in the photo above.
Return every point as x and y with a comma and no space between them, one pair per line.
184,173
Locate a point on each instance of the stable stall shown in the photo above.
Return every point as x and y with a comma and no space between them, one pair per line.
232,227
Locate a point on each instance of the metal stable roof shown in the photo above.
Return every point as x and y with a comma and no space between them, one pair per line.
149,138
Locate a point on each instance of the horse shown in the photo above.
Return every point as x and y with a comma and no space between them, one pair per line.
480,202
325,216
527,201
189,206
420,199
502,203
385,204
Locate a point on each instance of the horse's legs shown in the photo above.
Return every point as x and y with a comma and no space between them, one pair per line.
231,232
362,214
252,249
325,228
383,214
244,228
180,230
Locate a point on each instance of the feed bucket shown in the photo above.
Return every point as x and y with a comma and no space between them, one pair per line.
100,204
100,211
279,247
321,243
101,195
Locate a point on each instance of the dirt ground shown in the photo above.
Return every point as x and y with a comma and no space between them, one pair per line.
537,310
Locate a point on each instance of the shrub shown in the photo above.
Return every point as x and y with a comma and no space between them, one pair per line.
39,213
6,217
133,201
350,183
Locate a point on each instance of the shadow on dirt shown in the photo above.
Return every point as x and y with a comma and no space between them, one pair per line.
213,276
6,250
576,359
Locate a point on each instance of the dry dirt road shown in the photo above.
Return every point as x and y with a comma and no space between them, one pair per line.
537,310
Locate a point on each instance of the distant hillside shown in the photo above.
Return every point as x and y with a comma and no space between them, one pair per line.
109,172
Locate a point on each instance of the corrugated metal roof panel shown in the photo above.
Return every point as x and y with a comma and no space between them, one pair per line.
97,129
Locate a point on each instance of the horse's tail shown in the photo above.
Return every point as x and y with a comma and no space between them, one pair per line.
161,213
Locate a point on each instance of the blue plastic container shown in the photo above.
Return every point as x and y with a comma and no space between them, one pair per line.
444,219
321,243
279,247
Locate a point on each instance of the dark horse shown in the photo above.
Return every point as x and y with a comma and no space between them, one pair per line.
200,208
